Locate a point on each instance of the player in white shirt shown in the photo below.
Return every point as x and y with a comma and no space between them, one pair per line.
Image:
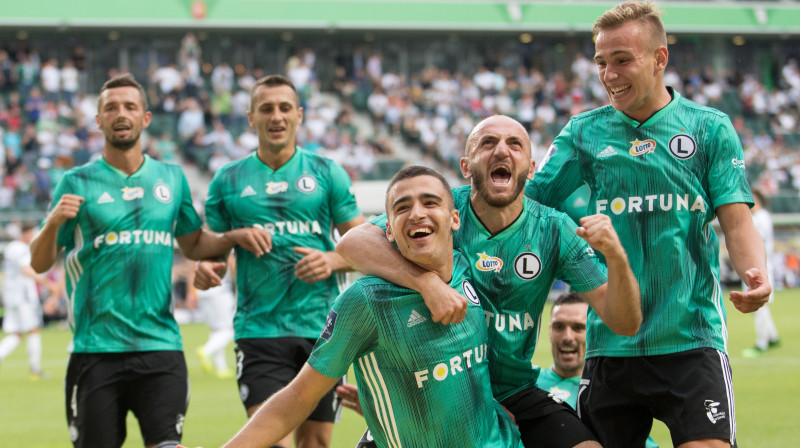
23,311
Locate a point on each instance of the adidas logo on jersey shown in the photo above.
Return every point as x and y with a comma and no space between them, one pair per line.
105,198
608,152
415,319
249,191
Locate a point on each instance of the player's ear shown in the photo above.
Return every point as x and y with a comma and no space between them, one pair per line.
532,170
464,163
389,234
455,220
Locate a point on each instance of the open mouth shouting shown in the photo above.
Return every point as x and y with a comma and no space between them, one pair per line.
501,175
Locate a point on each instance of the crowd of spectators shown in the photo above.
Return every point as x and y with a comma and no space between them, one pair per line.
200,113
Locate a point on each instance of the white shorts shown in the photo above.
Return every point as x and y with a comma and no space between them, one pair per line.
217,306
22,318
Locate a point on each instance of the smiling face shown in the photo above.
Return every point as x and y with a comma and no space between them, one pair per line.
631,67
568,338
498,160
275,115
121,115
421,220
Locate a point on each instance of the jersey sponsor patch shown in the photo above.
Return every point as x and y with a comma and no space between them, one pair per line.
681,146
487,263
130,194
105,198
330,323
307,184
470,293
639,147
608,152
249,191
737,163
162,192
527,266
276,187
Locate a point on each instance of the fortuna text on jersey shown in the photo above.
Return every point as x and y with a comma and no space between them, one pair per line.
456,364
292,227
161,238
650,203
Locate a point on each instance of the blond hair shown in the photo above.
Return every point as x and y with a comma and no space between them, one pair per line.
644,12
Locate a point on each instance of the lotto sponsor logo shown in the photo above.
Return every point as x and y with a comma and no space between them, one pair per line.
457,364
639,147
508,322
130,194
651,203
291,227
487,263
277,187
155,237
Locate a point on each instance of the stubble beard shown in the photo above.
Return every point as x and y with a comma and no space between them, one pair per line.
479,181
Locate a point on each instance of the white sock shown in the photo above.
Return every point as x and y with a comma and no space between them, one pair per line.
215,347
8,344
35,352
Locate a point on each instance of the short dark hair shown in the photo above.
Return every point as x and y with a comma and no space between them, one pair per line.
416,171
272,81
567,299
125,80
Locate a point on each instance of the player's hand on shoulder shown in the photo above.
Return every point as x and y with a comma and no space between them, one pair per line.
447,306
208,274
314,266
252,239
598,231
66,208
757,294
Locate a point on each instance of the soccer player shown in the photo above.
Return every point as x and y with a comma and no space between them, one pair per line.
516,248
216,306
568,347
422,384
766,331
662,167
23,311
283,298
117,218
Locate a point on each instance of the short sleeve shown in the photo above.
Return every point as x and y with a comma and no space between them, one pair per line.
579,264
217,216
188,221
727,182
559,172
342,201
350,331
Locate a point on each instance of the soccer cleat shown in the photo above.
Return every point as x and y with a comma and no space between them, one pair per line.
774,344
36,376
205,360
754,352
225,374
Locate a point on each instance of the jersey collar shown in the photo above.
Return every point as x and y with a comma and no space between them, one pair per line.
123,174
290,162
503,234
656,116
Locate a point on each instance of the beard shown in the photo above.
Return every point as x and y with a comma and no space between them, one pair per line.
123,143
479,182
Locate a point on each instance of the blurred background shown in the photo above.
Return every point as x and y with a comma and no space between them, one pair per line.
383,83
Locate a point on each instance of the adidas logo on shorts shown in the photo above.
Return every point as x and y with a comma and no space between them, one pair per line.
415,319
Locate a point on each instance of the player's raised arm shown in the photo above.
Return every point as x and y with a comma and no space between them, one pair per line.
368,251
618,302
44,246
746,250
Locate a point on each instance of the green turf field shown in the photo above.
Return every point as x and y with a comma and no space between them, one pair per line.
32,413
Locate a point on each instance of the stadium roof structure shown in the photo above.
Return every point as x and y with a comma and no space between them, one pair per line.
755,17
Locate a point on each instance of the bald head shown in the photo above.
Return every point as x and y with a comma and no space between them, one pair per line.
510,125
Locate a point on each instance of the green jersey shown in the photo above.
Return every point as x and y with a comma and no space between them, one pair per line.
565,389
119,254
299,204
420,383
514,270
660,182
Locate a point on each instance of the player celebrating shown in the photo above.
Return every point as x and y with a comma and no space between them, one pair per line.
516,249
117,218
299,197
662,167
423,384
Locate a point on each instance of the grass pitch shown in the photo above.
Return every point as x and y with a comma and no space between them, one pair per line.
32,413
